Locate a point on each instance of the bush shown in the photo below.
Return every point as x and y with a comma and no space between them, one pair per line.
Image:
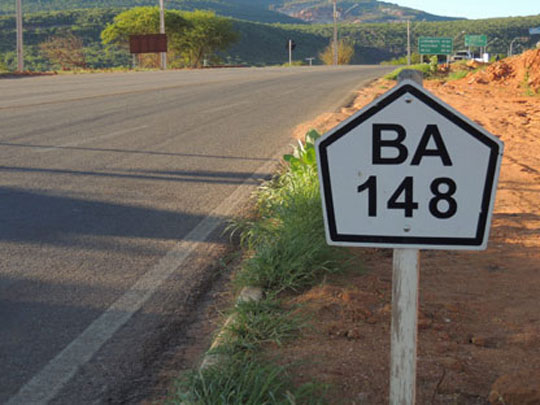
423,67
287,240
3,65
345,54
415,59
244,379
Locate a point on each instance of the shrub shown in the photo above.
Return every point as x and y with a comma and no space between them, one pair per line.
423,67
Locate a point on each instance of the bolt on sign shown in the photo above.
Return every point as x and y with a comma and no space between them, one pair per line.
475,40
435,46
408,171
149,43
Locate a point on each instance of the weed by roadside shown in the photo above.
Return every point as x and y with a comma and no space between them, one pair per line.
286,251
526,87
287,242
460,74
422,67
261,322
245,379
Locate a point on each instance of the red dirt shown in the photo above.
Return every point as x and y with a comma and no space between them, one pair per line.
479,322
518,72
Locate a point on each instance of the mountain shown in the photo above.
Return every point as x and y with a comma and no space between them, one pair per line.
351,11
267,11
256,10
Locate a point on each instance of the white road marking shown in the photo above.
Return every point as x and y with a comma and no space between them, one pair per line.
88,140
48,382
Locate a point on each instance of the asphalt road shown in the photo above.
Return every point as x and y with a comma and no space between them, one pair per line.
108,183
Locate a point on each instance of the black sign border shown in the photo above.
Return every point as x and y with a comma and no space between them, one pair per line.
408,240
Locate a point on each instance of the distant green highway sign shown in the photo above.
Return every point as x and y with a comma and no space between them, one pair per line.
475,40
435,46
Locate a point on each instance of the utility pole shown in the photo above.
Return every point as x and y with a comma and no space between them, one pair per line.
290,52
408,42
20,55
335,42
162,31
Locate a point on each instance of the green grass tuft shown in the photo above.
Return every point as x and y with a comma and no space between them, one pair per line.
262,322
422,67
245,379
460,74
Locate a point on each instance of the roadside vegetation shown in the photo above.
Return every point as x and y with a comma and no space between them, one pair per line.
345,54
192,36
441,71
259,43
286,253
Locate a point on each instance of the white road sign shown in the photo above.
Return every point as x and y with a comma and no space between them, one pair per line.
408,171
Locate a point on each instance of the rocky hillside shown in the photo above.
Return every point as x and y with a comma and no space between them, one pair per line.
268,11
352,11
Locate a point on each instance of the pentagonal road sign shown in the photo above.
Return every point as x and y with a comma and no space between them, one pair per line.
408,171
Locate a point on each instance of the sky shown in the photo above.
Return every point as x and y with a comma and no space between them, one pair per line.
474,9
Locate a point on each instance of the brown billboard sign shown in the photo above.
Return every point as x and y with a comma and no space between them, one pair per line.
148,43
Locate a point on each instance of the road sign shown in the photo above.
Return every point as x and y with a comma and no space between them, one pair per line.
475,40
534,31
435,46
148,43
408,171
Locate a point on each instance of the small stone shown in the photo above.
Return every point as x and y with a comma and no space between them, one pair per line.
353,334
386,309
522,388
372,320
486,341
451,363
250,294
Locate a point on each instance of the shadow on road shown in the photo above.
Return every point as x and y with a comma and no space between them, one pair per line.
142,152
37,217
177,176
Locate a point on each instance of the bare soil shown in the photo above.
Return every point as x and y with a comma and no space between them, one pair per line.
479,321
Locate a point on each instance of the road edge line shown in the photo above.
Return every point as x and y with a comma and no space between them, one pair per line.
50,380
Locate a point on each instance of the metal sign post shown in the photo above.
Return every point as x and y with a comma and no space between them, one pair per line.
290,46
162,31
403,337
404,327
20,51
408,172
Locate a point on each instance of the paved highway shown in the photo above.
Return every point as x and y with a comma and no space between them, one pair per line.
109,184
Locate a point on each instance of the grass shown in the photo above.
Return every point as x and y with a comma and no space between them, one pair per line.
245,379
260,323
460,74
287,240
422,67
286,251
527,89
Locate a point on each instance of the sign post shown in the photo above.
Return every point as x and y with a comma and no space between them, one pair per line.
408,172
291,45
404,326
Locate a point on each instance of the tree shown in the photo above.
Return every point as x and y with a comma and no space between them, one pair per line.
66,50
345,53
145,20
207,35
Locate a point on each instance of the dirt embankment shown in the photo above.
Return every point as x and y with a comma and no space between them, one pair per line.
479,322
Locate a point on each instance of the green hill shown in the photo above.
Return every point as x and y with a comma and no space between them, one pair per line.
352,11
240,9
260,44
